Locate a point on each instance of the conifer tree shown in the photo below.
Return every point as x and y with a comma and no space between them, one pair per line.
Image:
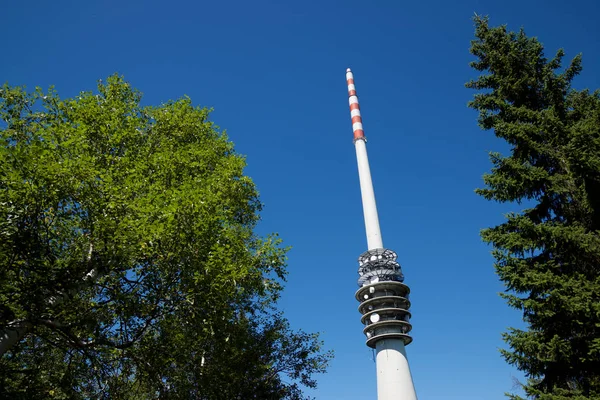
548,255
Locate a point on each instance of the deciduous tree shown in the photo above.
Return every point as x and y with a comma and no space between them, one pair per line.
129,266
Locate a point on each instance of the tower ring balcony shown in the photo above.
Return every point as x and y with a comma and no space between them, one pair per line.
384,307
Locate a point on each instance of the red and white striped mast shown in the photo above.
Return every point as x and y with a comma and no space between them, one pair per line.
382,294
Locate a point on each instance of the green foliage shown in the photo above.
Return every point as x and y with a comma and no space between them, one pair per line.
548,256
127,250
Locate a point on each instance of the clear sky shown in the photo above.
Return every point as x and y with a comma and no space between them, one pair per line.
274,71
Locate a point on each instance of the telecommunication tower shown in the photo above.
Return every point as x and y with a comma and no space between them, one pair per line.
383,296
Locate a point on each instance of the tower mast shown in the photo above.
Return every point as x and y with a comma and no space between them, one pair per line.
382,294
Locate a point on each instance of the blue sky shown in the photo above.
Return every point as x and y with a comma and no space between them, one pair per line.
274,71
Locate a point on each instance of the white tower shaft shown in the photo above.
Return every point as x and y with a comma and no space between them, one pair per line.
388,336
374,240
394,380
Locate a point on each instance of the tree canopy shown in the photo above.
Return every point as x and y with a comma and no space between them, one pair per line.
548,255
129,265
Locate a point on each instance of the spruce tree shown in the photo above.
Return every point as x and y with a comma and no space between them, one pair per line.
548,255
